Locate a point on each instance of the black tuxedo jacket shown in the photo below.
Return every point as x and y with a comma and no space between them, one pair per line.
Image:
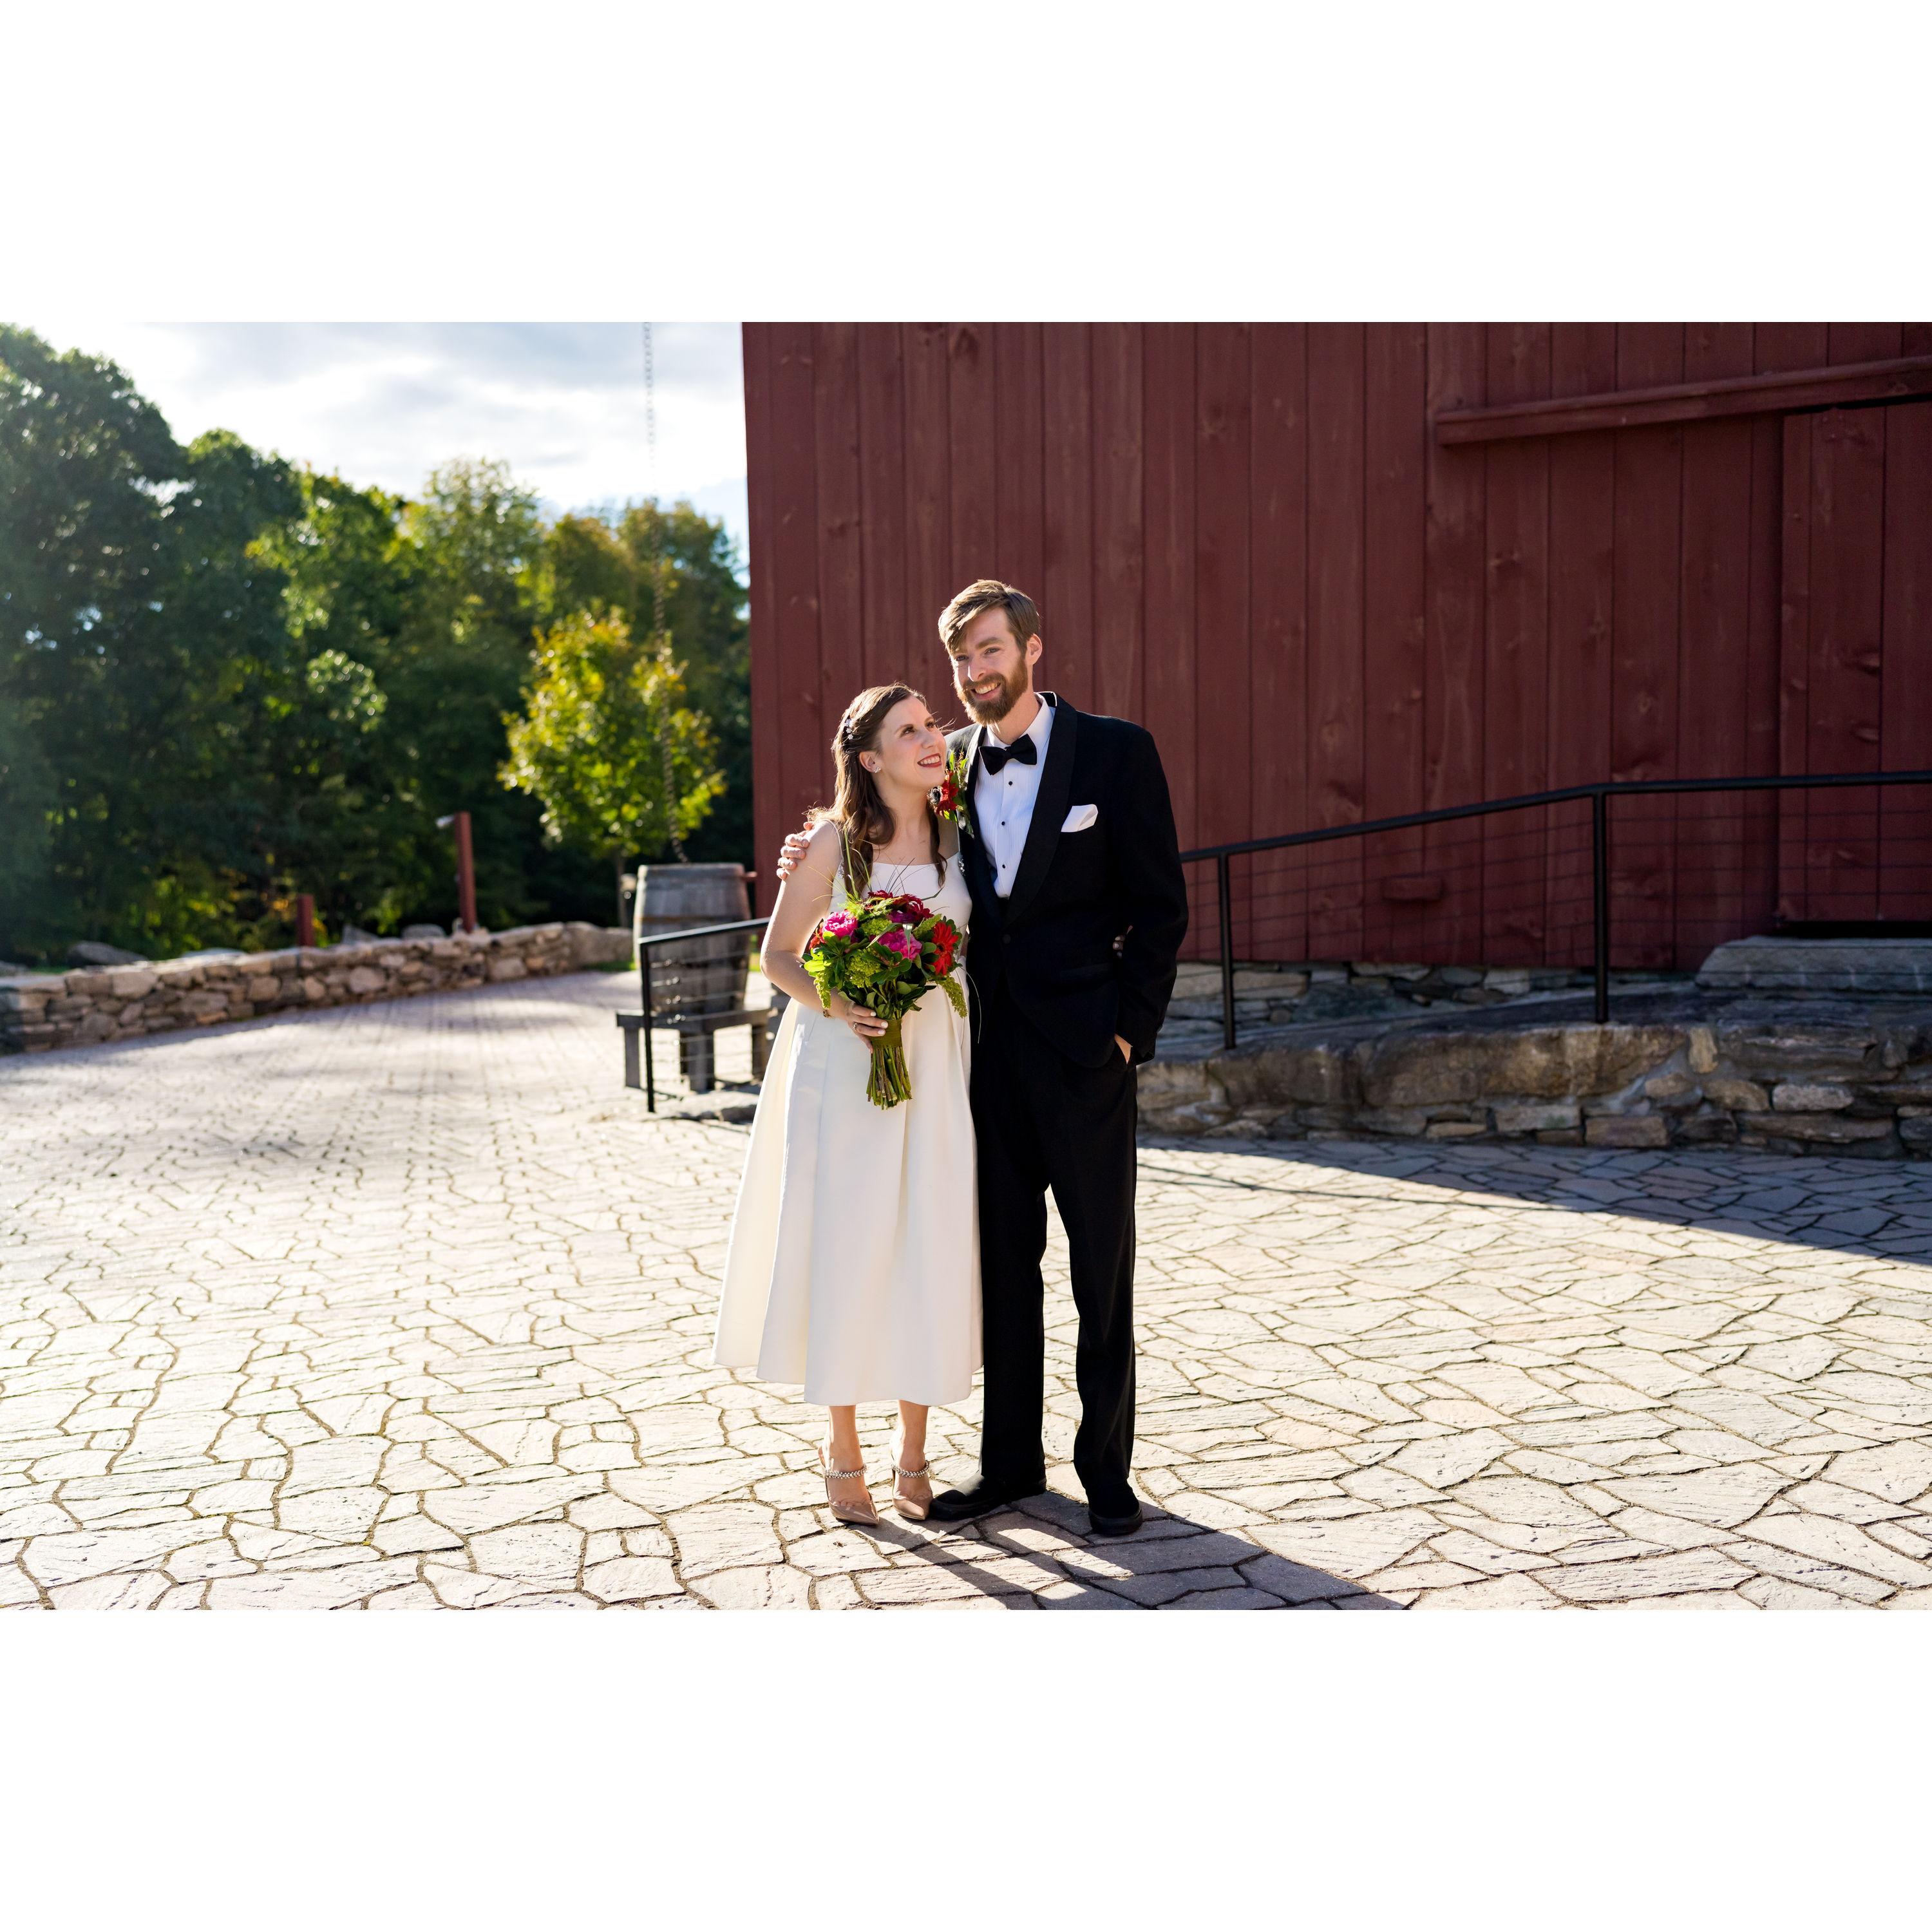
1051,941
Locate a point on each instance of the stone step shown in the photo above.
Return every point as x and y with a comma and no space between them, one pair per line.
1772,965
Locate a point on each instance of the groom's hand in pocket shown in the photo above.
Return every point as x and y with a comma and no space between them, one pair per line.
1127,1049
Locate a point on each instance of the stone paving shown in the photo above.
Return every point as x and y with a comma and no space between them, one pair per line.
406,1305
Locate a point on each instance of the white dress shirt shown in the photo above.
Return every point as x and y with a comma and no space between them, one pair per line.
1003,800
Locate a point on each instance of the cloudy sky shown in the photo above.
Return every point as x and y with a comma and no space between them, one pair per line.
383,403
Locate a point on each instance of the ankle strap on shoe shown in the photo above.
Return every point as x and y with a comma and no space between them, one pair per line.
924,1469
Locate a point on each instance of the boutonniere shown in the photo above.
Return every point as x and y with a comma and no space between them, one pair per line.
950,794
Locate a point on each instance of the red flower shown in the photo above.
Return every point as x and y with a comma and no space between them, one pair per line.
945,942
950,794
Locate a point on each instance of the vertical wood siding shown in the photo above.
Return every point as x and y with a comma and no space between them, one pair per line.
1856,649
1246,537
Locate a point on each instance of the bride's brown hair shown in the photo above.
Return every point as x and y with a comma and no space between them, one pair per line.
857,809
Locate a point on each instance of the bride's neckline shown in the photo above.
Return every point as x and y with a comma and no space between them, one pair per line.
889,875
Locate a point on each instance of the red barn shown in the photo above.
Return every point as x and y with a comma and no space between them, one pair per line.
1351,571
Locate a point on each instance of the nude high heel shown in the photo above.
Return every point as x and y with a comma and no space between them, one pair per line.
913,1508
846,1512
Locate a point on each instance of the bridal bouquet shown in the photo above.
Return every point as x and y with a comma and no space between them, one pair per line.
883,953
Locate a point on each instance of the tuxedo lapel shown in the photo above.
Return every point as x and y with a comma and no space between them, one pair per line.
973,857
1049,809
975,736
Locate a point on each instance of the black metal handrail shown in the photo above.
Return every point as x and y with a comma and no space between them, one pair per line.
1599,795
645,947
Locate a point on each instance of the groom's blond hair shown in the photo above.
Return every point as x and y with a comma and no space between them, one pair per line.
989,594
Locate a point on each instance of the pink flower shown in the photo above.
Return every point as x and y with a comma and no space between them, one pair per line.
900,941
839,926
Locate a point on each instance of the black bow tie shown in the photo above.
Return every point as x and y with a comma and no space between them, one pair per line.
1024,749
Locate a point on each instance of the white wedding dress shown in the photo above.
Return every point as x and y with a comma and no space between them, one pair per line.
853,1268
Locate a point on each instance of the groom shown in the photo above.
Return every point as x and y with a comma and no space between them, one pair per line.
1079,907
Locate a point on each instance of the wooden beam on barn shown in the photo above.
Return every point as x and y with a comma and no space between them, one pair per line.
1898,377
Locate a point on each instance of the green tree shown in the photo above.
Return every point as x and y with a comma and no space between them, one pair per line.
224,681
141,645
87,468
206,811
433,599
357,835
590,560
26,822
459,665
620,761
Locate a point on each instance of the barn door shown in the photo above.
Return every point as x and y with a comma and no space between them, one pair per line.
1855,684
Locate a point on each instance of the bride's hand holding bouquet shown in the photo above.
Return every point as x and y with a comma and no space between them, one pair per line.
883,953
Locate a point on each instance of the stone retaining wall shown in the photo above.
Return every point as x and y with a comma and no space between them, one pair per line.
38,1011
1782,1079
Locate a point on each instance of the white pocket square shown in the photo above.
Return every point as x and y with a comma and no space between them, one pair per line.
1081,817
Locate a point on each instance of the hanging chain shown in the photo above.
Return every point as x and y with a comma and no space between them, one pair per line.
660,631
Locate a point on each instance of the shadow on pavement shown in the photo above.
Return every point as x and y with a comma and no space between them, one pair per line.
1765,1197
1043,1545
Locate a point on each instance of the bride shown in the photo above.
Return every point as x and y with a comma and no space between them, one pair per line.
854,1267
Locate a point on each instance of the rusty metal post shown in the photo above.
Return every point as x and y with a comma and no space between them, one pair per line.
1227,953
466,875
1600,884
305,918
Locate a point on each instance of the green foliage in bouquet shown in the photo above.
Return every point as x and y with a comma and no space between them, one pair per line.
885,952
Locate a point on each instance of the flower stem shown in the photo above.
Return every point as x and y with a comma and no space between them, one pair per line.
889,1082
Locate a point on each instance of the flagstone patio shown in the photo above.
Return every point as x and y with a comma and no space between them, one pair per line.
407,1305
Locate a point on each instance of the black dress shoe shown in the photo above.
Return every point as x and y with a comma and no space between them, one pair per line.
979,1498
1103,1525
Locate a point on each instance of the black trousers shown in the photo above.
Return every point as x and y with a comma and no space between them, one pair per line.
1042,1121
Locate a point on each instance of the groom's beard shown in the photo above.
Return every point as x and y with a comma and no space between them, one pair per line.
989,710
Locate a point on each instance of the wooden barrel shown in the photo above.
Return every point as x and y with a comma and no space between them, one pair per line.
703,976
